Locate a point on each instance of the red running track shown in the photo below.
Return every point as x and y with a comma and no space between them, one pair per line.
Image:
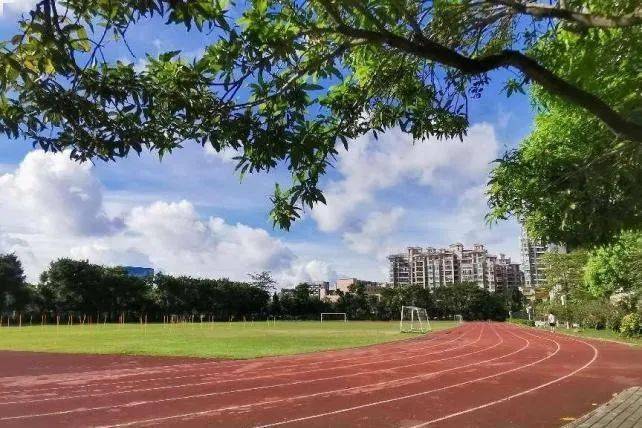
480,374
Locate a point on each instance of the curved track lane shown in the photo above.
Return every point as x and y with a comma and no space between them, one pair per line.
480,374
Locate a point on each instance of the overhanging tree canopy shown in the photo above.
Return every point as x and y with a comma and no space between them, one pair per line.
285,80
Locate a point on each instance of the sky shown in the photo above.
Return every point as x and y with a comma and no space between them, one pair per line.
191,214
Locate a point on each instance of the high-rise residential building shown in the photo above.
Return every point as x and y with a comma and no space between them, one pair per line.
431,267
507,274
532,251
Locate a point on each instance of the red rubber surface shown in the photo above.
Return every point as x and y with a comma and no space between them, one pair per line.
480,374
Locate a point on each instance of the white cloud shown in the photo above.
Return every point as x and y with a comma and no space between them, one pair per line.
373,165
373,236
54,195
362,208
52,207
10,7
226,155
308,271
180,242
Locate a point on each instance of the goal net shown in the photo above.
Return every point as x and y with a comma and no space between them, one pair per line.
458,318
334,316
414,320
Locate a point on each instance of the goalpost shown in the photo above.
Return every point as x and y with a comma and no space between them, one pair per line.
459,319
414,320
334,316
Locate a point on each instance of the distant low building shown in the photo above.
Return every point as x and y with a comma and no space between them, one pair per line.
139,272
315,288
372,288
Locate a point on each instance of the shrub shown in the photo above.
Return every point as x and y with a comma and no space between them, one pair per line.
614,319
631,325
522,321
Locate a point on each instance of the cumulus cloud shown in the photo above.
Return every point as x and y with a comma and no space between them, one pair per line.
226,155
181,242
52,207
54,195
308,271
453,172
372,165
373,236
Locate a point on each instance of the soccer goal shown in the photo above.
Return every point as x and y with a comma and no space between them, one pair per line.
459,319
334,316
414,320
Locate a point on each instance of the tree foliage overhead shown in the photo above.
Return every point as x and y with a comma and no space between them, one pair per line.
571,180
285,80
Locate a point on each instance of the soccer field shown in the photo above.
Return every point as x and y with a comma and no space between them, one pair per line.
217,340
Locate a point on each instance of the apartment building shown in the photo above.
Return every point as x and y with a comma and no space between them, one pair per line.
507,274
431,267
532,251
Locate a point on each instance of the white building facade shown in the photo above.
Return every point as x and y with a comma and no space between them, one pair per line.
532,252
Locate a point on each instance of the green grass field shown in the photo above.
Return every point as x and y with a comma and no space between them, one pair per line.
216,340
590,333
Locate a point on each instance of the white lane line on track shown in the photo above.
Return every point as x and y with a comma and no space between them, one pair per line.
418,394
212,411
171,399
234,365
235,379
510,397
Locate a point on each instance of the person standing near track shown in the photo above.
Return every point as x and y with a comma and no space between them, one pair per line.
552,322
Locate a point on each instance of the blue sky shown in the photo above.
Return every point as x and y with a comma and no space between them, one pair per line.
189,214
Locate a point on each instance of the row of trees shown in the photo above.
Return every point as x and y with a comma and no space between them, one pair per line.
80,288
71,287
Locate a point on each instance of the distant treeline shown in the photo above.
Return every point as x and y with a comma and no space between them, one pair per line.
93,292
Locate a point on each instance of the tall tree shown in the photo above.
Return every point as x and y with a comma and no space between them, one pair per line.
263,280
285,80
14,292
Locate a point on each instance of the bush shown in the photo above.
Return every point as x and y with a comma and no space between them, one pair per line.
521,321
614,319
631,325
594,313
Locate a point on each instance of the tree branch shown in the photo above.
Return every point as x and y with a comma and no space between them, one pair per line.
538,10
507,58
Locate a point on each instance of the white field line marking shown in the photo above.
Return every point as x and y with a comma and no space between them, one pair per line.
209,382
510,397
418,394
204,413
219,364
140,403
